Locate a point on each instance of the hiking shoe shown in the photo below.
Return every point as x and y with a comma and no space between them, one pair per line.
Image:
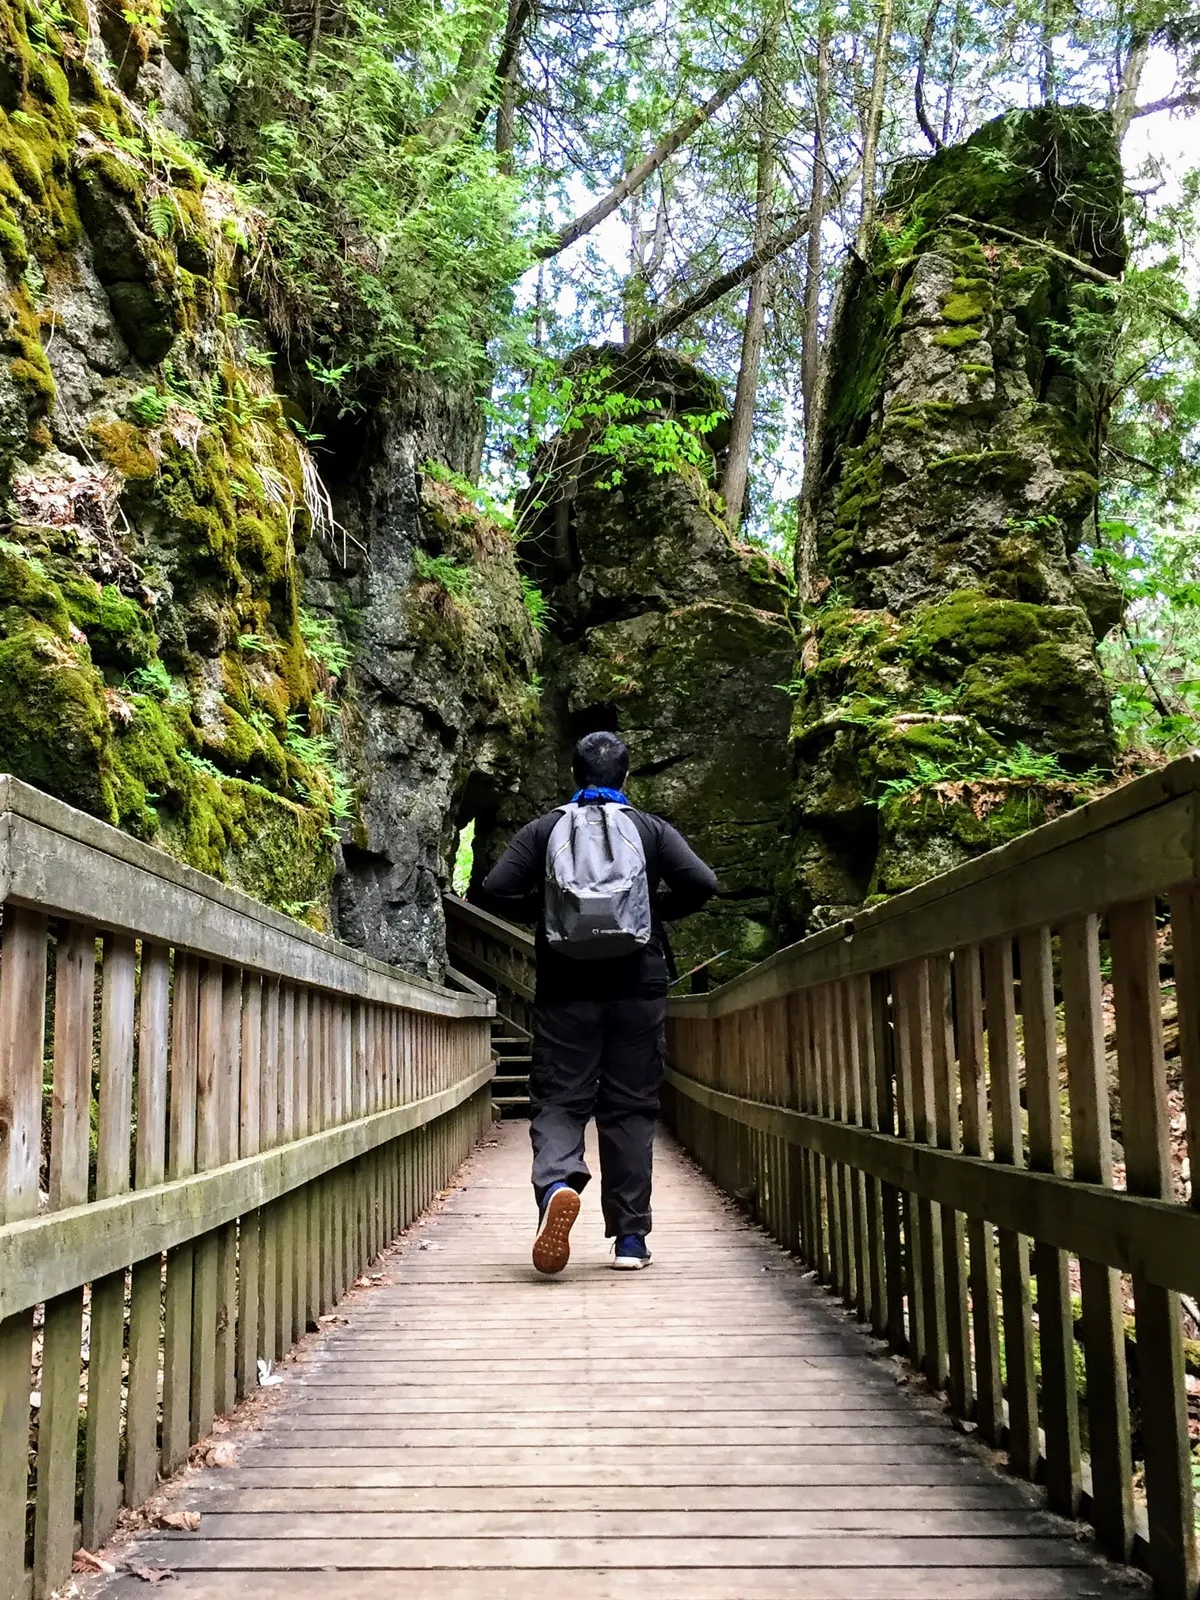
631,1253
552,1247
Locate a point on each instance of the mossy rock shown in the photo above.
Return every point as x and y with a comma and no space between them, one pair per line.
54,724
119,632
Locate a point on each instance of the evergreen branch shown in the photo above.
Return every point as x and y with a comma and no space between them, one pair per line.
662,152
1189,325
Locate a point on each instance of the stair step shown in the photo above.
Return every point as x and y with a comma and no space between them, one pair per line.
506,1102
515,1060
510,1038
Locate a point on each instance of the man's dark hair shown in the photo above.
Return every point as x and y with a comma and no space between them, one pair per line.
601,761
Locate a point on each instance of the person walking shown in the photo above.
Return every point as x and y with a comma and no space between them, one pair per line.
600,879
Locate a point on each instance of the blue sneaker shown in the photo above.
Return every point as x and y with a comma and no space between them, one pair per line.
552,1247
631,1253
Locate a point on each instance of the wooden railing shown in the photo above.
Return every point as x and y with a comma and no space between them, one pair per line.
918,1103
210,1119
494,953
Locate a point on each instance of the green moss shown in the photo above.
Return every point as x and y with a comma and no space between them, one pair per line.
118,630
965,307
28,592
957,338
123,446
54,725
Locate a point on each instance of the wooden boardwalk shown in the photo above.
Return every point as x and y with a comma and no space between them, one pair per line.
712,1428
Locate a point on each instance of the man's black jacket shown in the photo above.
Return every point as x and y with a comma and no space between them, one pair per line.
680,884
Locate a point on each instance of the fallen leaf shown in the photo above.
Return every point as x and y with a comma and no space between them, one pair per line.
181,1521
220,1425
85,1561
221,1455
150,1574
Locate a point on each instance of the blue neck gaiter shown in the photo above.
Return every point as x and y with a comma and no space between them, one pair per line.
595,797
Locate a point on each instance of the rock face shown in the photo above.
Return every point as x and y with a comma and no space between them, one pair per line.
676,636
189,647
441,689
951,695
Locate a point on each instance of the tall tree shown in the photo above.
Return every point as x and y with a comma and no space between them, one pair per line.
814,439
741,434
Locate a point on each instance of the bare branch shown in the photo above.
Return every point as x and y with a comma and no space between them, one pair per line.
926,126
646,168
671,321
1189,100
1189,325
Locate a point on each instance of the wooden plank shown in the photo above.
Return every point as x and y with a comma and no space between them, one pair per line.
1059,1406
1111,1509
285,1282
1008,1144
181,1161
249,1231
725,1468
1144,1131
976,1138
268,1332
885,1111
208,1156
1157,1239
102,1491
150,1165
960,1381
228,1117
862,1024
1185,940
1082,862
58,1417
929,1238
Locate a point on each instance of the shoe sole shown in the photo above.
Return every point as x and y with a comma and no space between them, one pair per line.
552,1247
631,1263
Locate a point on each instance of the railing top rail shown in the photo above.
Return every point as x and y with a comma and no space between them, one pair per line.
1140,839
62,861
506,932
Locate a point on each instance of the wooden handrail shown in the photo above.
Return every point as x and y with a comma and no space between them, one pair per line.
917,1101
270,1109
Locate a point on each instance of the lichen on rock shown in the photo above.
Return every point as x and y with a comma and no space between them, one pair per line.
949,694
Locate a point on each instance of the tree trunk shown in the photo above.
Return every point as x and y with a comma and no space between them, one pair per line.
519,13
810,353
814,441
1131,78
741,435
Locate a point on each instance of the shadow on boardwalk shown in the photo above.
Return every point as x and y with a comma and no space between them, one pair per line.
710,1429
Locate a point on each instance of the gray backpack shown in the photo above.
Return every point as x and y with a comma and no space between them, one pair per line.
597,891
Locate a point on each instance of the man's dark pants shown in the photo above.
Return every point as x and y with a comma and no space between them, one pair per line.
601,1058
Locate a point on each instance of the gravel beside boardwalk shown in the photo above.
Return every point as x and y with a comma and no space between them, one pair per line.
709,1429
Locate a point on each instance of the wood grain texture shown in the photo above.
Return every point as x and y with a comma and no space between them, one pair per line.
550,1479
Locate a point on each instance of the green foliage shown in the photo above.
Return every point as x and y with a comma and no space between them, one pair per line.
539,608
152,679
324,645
1020,765
464,859
149,407
390,235
458,582
255,644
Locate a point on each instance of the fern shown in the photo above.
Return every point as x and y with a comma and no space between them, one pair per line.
458,582
162,216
